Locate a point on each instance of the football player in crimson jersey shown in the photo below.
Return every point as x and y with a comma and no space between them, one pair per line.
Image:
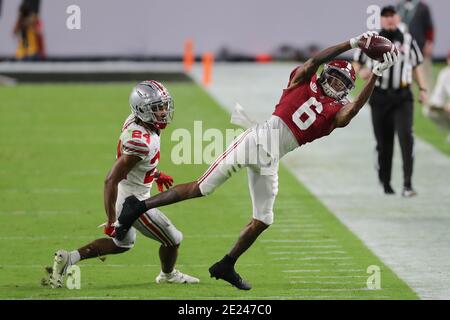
311,107
133,174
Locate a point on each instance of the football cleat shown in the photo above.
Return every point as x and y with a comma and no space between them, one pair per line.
60,265
408,193
175,277
221,271
120,231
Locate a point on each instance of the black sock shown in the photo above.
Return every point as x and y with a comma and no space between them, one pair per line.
230,261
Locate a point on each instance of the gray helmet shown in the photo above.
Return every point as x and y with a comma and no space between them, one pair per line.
147,98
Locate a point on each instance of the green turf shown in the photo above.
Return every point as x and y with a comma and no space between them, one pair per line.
425,128
58,142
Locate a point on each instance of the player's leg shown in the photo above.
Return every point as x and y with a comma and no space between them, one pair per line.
384,130
155,225
404,123
98,248
263,191
231,161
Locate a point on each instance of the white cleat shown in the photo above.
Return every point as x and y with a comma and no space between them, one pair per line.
175,277
409,193
60,265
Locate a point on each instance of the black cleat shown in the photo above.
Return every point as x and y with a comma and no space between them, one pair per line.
132,209
221,271
120,232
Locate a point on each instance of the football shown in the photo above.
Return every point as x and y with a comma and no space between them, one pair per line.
374,47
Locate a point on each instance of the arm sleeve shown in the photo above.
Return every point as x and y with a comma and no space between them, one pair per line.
416,54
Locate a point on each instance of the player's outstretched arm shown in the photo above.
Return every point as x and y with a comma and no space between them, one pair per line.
310,67
118,172
350,110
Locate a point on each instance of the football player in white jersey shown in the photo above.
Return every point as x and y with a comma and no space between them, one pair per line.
133,173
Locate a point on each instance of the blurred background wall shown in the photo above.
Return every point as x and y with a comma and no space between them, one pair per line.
160,27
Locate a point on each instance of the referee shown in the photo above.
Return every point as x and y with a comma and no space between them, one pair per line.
392,101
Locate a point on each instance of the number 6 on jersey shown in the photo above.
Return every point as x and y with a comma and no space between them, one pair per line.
306,108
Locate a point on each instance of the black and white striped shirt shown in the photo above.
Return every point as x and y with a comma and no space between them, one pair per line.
400,75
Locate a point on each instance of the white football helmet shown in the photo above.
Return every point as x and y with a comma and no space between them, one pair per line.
151,102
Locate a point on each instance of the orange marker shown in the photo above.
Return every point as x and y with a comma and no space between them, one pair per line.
188,57
208,61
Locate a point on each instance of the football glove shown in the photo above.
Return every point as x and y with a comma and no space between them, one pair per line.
354,41
163,180
390,58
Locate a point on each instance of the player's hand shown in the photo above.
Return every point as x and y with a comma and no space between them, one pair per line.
108,229
390,58
423,97
164,180
368,34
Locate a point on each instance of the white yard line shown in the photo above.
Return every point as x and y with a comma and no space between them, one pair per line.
410,235
311,258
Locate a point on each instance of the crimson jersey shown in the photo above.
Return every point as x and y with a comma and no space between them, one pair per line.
307,111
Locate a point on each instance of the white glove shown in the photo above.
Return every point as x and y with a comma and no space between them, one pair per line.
368,34
390,58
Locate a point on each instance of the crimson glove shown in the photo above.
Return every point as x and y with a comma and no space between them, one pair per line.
163,180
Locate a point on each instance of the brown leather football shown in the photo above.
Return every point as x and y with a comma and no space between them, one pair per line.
374,47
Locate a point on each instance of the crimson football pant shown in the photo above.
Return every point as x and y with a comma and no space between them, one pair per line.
392,112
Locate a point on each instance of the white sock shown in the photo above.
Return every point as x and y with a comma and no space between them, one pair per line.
74,257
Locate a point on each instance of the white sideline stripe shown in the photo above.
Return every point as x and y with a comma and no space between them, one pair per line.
312,258
300,240
306,252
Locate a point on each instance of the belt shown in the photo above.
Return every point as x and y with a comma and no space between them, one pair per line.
392,91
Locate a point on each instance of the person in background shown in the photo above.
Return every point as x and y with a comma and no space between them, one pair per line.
417,17
28,29
392,102
438,108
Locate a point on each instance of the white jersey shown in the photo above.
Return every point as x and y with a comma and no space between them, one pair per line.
138,141
441,92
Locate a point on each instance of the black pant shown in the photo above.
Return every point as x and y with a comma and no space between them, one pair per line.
393,111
